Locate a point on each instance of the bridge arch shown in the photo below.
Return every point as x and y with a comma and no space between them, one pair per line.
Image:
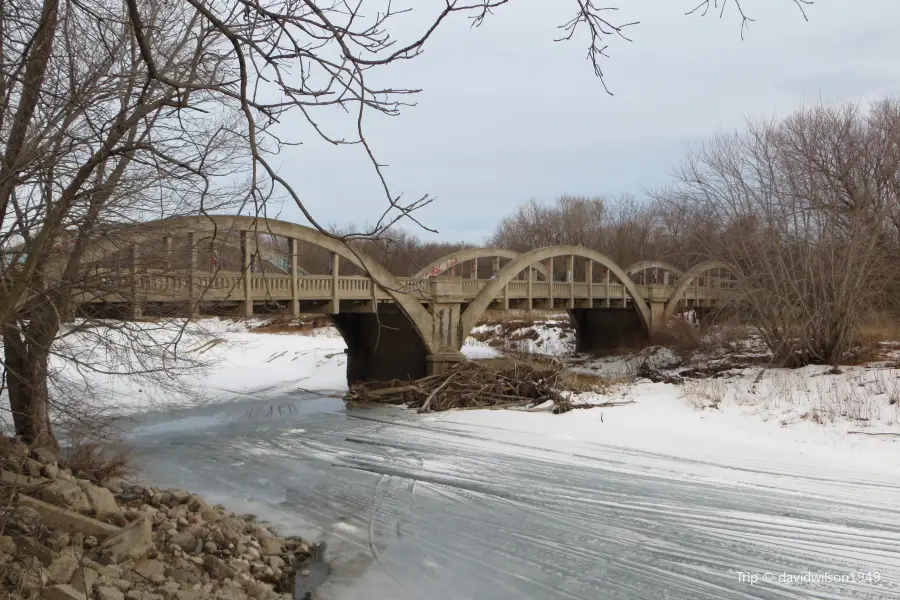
654,264
468,254
477,307
688,277
135,234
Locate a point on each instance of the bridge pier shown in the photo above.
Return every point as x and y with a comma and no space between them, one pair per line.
381,346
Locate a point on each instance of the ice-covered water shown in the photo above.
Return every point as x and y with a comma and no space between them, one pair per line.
440,507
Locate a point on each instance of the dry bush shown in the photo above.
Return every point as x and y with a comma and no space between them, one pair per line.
705,393
99,464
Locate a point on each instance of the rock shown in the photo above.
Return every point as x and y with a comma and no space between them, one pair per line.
271,546
90,541
151,570
63,566
217,568
210,547
62,592
210,516
179,496
259,590
54,516
187,595
252,553
184,540
65,494
109,593
12,451
47,456
21,480
198,504
57,540
29,547
132,542
102,502
155,500
50,471
7,545
168,589
32,467
84,580
120,584
115,484
276,562
183,576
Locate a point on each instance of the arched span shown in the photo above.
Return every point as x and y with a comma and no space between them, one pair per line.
216,224
517,265
653,264
468,254
688,278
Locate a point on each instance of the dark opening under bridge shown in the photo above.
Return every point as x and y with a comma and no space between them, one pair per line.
394,327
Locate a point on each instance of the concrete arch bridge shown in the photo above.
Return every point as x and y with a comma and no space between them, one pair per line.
395,327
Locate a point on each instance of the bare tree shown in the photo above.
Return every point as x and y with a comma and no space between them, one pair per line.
803,208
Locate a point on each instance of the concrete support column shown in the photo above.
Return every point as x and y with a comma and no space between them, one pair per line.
570,277
657,321
335,284
530,293
550,281
295,282
169,253
606,281
248,276
506,297
665,278
589,277
473,271
192,304
137,289
496,265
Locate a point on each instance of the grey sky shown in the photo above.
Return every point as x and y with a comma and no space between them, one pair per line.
507,115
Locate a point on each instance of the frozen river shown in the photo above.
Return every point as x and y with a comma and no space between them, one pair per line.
448,507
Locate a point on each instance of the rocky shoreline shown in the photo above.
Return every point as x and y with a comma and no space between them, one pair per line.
66,536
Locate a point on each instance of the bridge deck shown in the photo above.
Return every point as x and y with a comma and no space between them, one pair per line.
230,286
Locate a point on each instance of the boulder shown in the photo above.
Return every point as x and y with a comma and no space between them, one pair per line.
184,540
63,566
72,522
65,494
84,579
217,568
105,592
132,542
101,500
185,577
151,570
61,592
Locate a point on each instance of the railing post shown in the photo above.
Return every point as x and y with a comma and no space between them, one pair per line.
295,283
550,281
248,274
473,272
335,281
665,278
589,277
193,305
137,305
570,276
530,295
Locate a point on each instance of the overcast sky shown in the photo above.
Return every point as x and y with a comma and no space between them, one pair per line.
506,114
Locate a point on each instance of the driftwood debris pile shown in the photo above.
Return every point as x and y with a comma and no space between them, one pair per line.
470,385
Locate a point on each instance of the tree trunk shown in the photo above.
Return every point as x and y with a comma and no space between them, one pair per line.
27,356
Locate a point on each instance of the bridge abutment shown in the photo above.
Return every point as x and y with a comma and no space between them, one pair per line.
604,329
